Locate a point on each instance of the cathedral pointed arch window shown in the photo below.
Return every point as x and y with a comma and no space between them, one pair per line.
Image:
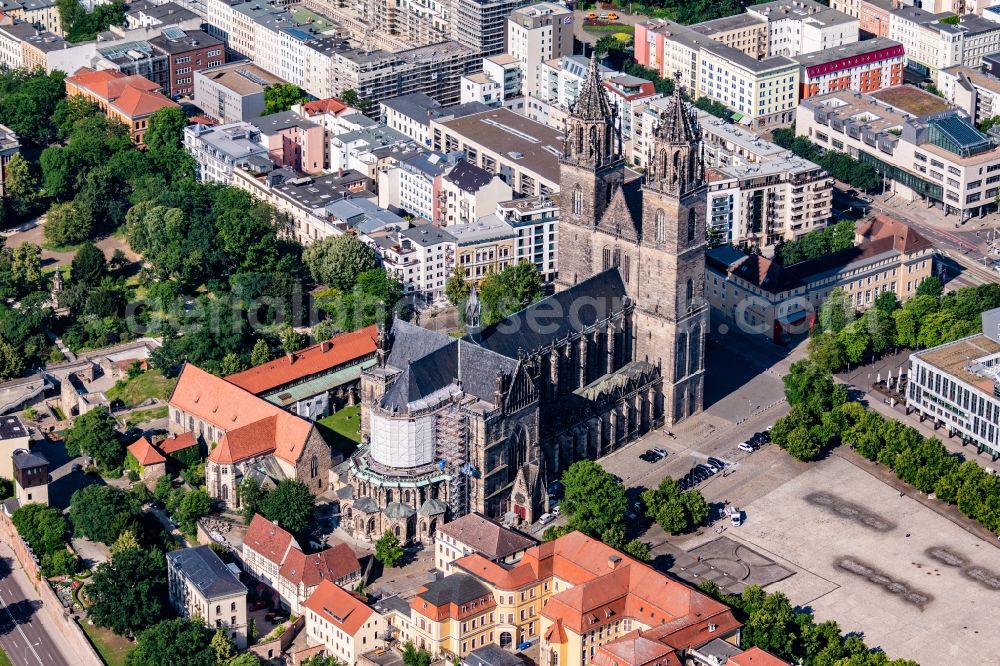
659,225
677,166
579,140
692,223
689,294
694,361
593,140
577,201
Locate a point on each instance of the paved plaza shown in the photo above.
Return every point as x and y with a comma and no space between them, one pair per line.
915,583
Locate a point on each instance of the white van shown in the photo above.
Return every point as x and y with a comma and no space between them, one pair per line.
736,517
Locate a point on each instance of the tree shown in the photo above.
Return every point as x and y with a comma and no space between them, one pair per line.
290,504
336,261
231,364
388,550
282,96
222,646
456,289
66,224
637,549
128,591
177,642
508,291
252,497
11,361
125,541
193,506
696,507
836,312
28,100
261,353
414,657
594,501
931,286
88,266
26,268
351,98
854,340
94,434
250,659
45,530
22,185
102,513
166,130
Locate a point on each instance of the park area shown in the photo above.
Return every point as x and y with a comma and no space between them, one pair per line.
342,429
917,584
113,648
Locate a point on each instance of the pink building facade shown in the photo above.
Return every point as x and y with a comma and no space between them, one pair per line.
293,141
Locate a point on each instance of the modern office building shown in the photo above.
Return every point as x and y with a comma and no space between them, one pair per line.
926,149
956,385
232,93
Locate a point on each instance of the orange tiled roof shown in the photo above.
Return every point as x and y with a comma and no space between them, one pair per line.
331,564
252,426
906,239
329,354
339,607
268,539
755,657
175,443
635,649
132,94
135,102
327,105
145,452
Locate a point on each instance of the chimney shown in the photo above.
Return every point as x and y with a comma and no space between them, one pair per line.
324,346
613,561
291,357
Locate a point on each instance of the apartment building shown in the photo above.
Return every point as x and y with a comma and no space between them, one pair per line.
187,52
273,557
482,24
309,202
479,87
43,15
483,247
875,16
10,145
796,27
864,67
342,623
674,50
765,204
24,46
413,184
971,90
746,32
232,93
926,149
477,534
412,114
765,298
369,148
420,257
130,99
536,34
525,154
536,220
148,15
761,92
931,44
202,586
468,193
293,141
219,150
956,385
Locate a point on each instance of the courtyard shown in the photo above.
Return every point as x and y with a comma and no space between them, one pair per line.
918,585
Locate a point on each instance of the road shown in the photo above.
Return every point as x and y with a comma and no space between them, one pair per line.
23,635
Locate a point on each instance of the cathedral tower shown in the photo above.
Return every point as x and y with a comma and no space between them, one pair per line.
591,167
672,315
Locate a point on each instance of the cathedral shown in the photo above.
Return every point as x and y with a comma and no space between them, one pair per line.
484,423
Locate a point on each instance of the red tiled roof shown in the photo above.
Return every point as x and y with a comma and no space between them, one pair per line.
486,536
329,354
133,95
175,443
755,657
331,564
327,105
339,607
905,238
253,426
634,649
145,452
268,539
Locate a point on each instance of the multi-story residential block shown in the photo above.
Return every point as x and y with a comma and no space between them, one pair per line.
43,15
148,15
761,92
476,534
536,221
220,149
412,114
482,24
924,148
232,93
293,141
747,32
505,69
764,298
971,90
559,85
480,87
797,27
956,385
483,247
585,601
202,586
933,42
875,15
330,113
864,67
536,34
130,99
468,193
413,185
763,205
273,557
420,257
342,623
187,52
308,201
9,146
368,148
627,94
525,154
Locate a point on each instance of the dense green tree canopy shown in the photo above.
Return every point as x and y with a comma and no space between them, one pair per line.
94,434
102,513
337,261
129,591
67,224
282,96
388,550
508,291
177,642
28,101
594,501
45,530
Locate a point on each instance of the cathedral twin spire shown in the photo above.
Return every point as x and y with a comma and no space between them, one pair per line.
592,138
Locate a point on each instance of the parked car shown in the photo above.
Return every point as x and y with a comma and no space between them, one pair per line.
718,463
747,446
660,452
546,518
708,470
736,516
75,467
555,510
649,457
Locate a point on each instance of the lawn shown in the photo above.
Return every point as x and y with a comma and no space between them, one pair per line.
113,648
146,415
624,29
150,384
342,430
4,660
